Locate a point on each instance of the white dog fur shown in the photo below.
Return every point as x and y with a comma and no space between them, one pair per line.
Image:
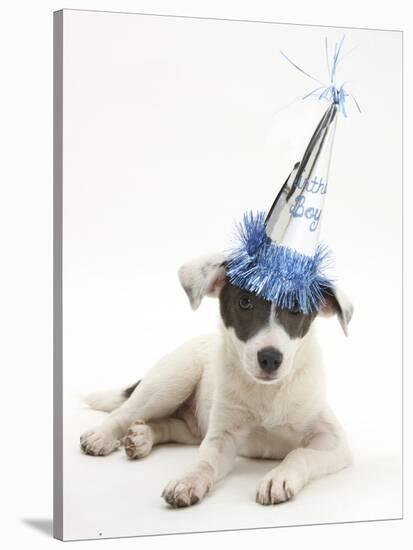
210,392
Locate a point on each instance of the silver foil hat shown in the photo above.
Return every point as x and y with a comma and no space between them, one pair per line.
294,219
278,255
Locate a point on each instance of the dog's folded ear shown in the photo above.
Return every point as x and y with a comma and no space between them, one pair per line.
203,276
337,303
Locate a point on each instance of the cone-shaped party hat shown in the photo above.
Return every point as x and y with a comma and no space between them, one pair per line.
278,256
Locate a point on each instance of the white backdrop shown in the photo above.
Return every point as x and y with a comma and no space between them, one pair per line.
26,227
172,128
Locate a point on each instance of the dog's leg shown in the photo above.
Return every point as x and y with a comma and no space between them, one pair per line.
324,453
167,385
141,437
216,458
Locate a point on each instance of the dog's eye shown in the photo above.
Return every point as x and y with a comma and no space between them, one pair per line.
245,303
294,310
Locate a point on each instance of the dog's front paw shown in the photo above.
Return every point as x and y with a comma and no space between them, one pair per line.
186,491
279,485
139,440
97,443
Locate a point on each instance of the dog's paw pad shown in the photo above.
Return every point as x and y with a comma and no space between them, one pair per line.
185,492
97,443
138,441
277,487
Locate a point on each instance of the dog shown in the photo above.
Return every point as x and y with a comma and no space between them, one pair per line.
254,389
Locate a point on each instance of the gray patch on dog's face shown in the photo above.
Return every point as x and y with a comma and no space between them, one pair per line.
245,322
248,322
295,324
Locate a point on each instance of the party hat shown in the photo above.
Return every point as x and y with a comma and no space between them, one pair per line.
278,255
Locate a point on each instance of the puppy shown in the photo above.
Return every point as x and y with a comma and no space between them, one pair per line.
254,389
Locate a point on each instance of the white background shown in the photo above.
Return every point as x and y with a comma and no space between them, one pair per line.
27,285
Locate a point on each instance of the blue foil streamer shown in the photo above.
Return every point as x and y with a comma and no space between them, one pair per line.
331,92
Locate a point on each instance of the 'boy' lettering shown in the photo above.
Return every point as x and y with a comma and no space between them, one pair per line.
298,210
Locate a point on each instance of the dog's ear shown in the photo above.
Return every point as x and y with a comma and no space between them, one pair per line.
203,276
337,303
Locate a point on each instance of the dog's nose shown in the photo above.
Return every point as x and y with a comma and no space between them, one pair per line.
269,359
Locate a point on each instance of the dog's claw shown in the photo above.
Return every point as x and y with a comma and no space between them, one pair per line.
97,444
185,492
139,440
279,486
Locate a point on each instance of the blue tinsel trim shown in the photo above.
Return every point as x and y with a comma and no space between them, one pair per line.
276,273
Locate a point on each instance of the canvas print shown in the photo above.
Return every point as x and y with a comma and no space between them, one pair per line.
227,274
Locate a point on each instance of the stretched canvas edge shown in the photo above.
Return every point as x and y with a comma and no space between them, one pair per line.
57,275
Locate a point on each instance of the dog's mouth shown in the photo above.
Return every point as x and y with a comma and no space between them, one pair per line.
264,377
